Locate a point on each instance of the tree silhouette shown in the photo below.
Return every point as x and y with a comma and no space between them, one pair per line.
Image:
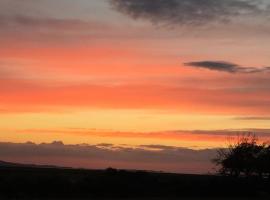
263,162
246,158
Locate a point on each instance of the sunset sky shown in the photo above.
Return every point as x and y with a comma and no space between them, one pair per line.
154,76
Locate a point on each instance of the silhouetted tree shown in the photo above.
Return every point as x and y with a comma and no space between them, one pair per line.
246,157
263,162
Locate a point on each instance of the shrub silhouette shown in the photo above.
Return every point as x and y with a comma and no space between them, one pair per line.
244,158
263,162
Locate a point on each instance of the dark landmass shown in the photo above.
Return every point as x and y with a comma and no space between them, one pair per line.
10,164
19,181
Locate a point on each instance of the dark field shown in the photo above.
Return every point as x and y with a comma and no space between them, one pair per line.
59,183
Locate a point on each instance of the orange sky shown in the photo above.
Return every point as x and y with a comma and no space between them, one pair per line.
95,68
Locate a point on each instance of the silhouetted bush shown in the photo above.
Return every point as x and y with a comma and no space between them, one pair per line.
245,158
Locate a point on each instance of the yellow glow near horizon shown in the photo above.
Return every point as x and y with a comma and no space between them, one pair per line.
125,120
47,127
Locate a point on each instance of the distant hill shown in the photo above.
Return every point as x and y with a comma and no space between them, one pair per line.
7,164
11,164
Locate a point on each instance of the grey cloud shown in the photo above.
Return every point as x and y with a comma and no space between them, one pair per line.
189,12
228,67
57,153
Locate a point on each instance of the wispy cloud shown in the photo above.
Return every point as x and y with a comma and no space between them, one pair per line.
228,67
48,23
254,118
176,135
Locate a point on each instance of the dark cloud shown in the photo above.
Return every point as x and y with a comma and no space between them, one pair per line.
166,158
189,12
224,66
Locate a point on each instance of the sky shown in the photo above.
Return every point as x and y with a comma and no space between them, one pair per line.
148,80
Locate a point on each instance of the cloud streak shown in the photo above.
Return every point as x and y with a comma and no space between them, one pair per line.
253,118
28,22
228,67
189,12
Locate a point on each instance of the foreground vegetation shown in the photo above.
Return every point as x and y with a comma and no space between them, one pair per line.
247,157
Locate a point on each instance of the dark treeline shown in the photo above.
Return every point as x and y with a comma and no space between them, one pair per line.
247,157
